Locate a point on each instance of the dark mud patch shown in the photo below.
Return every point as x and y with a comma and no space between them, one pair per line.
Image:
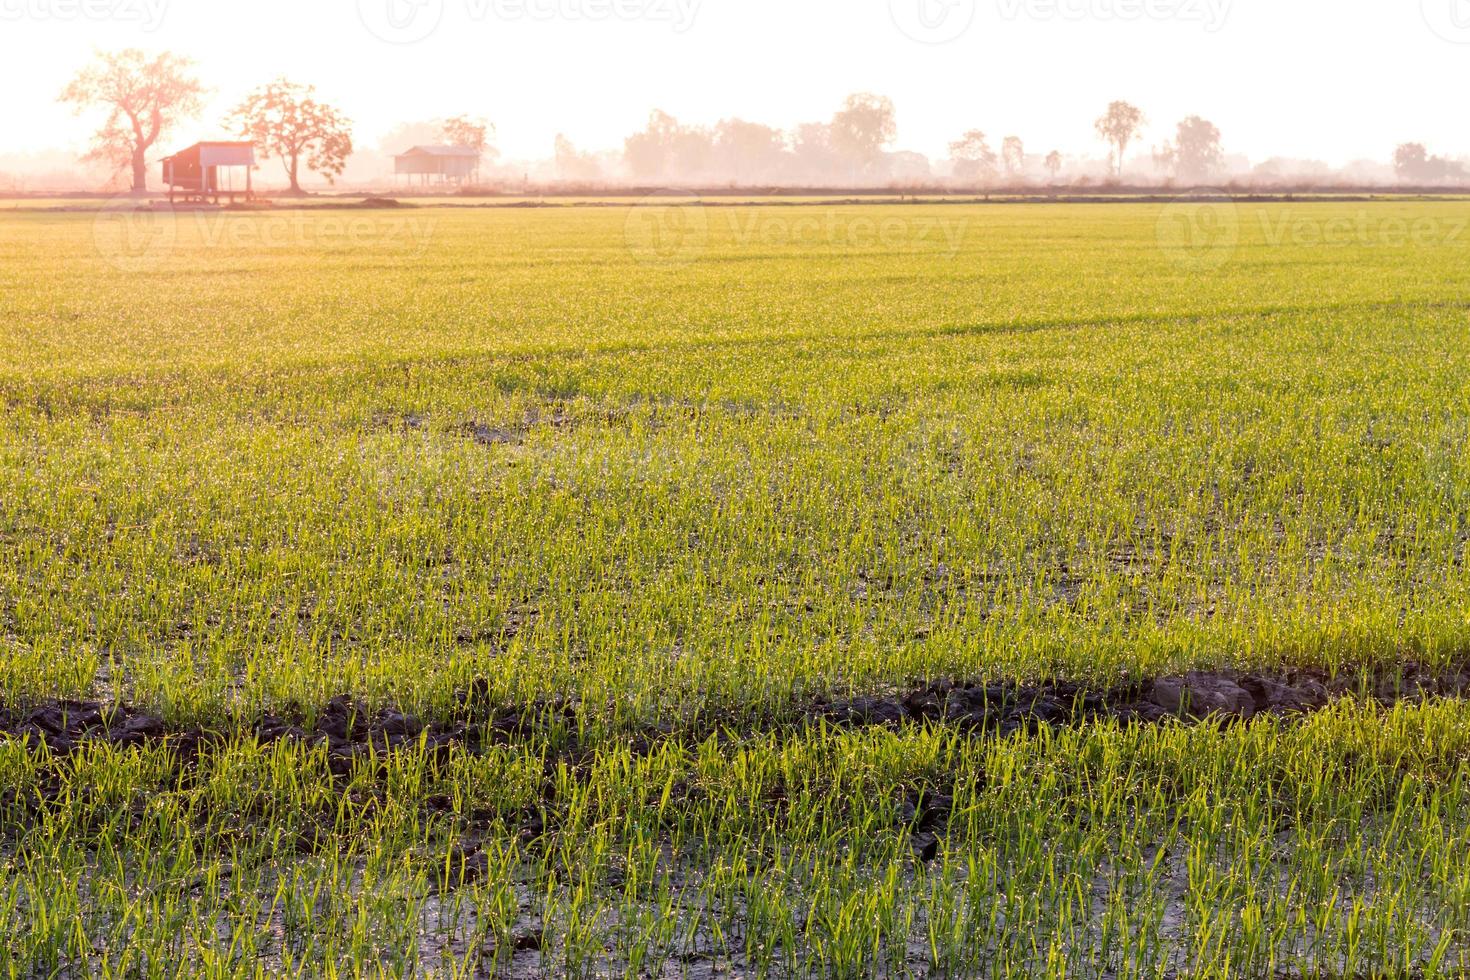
353,732
481,433
516,434
349,730
494,435
653,414
405,423
64,726
1008,708
366,204
1195,697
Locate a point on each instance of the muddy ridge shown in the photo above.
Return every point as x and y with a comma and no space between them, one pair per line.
352,732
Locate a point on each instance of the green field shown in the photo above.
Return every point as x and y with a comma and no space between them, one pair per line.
638,487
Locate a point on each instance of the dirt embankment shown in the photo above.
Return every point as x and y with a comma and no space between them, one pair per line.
350,730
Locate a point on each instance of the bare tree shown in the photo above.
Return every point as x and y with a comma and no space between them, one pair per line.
972,156
285,121
143,97
1013,155
1118,126
1054,164
861,129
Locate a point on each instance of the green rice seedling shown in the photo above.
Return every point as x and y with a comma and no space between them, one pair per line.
616,533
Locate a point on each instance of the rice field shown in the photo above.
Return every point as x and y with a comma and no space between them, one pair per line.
589,591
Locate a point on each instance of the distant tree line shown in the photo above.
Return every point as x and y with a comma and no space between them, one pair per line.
851,146
143,99
1412,162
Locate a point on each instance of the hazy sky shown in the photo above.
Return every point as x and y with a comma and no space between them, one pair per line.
1329,79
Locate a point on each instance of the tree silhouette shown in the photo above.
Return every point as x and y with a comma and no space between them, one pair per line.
1195,153
472,133
144,98
747,150
1054,164
1013,155
284,120
1411,161
860,130
667,148
812,156
972,156
647,152
573,164
1117,127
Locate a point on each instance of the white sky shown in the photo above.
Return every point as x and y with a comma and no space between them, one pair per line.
1334,80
